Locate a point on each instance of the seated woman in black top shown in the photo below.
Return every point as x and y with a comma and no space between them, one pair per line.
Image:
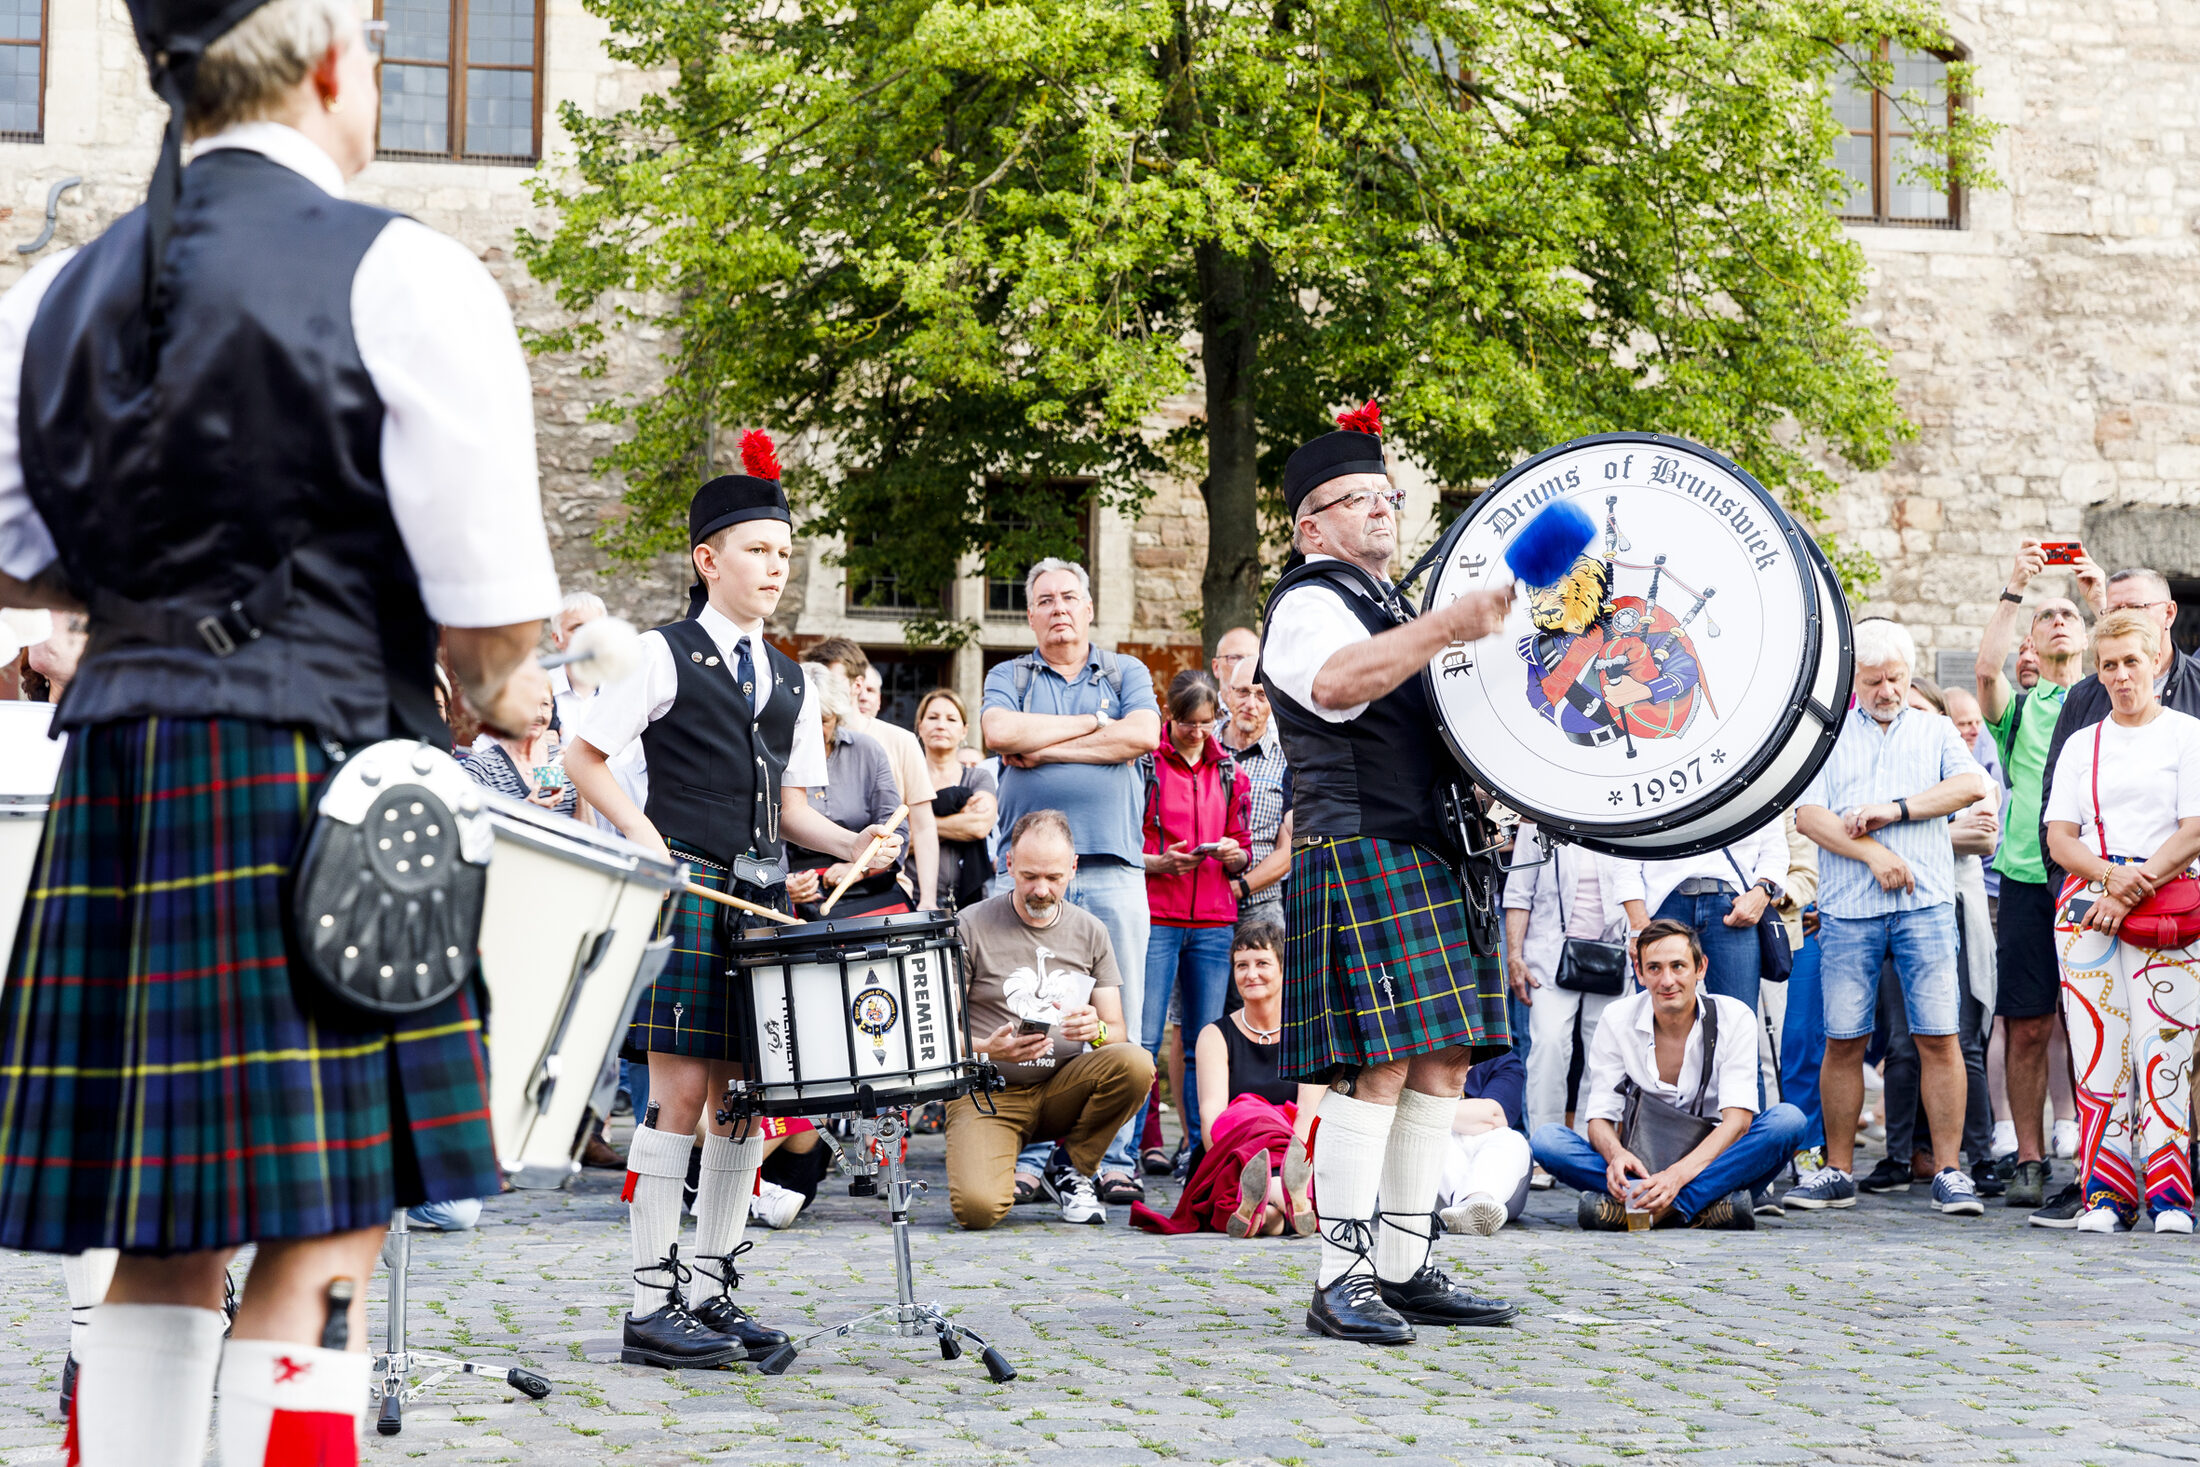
1251,1173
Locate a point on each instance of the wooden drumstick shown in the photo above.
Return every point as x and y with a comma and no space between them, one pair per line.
856,869
736,903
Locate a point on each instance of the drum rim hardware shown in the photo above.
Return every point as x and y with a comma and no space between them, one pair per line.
1642,836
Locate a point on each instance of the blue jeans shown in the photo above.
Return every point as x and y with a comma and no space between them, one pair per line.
1803,1043
1198,959
634,1080
445,1217
1756,1157
1922,944
1115,893
1732,965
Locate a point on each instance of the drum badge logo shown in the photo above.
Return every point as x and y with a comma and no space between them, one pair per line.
1609,669
875,1013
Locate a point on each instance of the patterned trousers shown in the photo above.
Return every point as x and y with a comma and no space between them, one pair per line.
2130,1011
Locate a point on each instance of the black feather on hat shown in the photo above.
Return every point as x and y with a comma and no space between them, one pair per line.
732,499
174,35
1355,448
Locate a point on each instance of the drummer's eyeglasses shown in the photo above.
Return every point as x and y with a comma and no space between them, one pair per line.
374,35
1361,498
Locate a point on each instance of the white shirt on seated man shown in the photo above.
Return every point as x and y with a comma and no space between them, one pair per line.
1654,1039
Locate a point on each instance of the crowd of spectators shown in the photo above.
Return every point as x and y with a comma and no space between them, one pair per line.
1937,926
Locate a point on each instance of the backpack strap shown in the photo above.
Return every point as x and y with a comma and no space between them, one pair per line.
2100,827
1710,1050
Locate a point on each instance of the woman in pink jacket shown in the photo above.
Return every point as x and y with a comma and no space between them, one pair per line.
1197,813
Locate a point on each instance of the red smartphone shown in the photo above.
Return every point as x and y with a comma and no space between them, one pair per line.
2061,552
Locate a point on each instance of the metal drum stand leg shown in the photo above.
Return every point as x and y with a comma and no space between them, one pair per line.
392,1369
905,1317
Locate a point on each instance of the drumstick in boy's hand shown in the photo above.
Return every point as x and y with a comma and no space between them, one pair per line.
862,862
736,903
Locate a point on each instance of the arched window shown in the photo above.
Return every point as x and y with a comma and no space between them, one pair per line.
482,104
1881,151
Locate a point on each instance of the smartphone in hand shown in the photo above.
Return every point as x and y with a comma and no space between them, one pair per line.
2061,552
1032,1026
1206,850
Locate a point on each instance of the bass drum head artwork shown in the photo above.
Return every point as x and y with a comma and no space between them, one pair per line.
1679,685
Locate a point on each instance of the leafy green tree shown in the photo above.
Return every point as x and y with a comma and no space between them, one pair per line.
966,249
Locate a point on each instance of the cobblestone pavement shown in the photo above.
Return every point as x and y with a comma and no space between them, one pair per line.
1883,1334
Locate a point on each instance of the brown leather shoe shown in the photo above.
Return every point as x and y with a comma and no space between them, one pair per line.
599,1155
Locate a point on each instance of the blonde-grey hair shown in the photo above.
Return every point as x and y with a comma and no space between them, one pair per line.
247,74
829,686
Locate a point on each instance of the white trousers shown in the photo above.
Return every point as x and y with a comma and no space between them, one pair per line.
1551,1047
1495,1162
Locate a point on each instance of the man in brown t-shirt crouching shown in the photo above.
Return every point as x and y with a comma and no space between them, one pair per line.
1045,1003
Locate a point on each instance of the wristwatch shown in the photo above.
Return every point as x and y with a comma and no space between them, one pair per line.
1764,884
1904,806
1245,893
1101,1037
1100,719
2016,597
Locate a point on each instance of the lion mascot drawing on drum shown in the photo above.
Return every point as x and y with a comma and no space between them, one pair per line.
1609,669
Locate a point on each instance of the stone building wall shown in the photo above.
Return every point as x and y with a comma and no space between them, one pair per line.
2048,351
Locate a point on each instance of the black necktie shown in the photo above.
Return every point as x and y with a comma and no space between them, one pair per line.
744,671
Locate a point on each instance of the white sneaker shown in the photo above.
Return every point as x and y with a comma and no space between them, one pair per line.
2064,1142
2173,1220
1480,1214
775,1206
1080,1199
1541,1180
2005,1140
2100,1220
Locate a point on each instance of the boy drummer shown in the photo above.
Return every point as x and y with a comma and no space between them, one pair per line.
733,743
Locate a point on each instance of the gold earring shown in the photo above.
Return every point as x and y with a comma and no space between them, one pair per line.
332,104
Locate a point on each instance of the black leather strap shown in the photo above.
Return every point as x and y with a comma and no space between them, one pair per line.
221,629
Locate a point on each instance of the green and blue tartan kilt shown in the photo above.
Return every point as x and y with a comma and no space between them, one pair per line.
1377,965
162,1089
694,1008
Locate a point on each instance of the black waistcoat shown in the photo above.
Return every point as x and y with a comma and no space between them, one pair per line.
714,766
239,459
1383,774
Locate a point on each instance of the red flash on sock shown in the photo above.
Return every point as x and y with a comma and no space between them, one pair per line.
69,1447
312,1439
633,1180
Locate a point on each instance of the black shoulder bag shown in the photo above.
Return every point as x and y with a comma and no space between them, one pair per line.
1775,959
1659,1132
1585,965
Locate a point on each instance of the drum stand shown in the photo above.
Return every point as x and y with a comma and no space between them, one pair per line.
906,1316
392,1369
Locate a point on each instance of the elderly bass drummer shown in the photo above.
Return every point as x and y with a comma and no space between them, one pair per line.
1385,997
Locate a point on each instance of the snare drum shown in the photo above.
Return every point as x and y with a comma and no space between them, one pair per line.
855,1013
567,947
30,762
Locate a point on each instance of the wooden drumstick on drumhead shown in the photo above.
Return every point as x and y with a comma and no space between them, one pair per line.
736,903
857,867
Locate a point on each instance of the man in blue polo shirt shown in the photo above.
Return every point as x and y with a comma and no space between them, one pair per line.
1887,888
1069,722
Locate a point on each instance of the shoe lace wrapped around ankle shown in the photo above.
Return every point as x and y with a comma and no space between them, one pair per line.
1427,1240
672,1272
726,1276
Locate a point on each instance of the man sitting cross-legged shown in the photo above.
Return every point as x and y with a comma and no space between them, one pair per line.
1045,1003
1654,1037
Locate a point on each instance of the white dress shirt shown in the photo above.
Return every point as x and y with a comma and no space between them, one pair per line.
1626,1047
1762,855
458,425
1310,625
1542,890
616,716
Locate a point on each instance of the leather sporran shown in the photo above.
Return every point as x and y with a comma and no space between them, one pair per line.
386,899
1659,1132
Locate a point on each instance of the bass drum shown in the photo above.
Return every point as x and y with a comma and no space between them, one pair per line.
1680,685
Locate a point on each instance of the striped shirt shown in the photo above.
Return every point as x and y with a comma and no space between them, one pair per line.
1869,766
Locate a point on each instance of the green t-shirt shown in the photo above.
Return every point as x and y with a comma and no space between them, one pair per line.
2025,757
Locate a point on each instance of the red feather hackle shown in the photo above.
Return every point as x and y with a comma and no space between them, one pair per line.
1367,419
758,454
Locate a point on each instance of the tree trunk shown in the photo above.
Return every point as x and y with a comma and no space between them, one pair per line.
1231,287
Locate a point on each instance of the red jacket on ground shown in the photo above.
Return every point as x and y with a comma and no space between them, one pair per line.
1189,806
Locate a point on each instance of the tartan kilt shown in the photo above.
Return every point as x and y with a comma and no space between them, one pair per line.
694,1008
1377,962
162,1088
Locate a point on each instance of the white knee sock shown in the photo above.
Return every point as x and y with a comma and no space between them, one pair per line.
286,1405
87,1276
722,1201
1413,1165
145,1386
656,1171
1348,1168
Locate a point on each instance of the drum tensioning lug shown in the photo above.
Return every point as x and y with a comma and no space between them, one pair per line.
743,1101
